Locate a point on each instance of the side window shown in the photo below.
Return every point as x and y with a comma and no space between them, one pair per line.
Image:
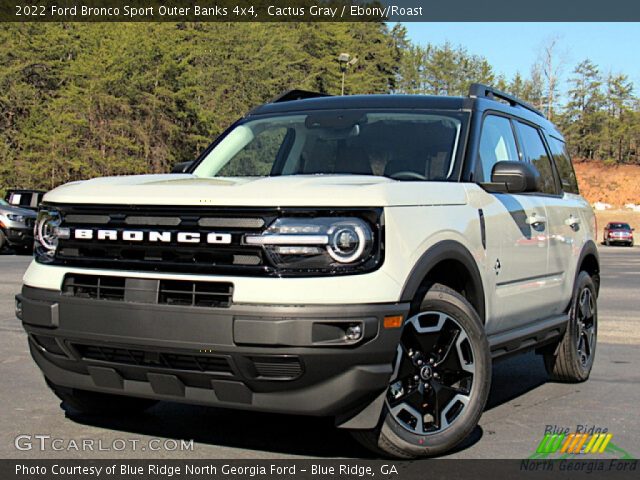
565,168
537,154
497,144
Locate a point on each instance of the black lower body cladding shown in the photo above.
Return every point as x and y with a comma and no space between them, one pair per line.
288,359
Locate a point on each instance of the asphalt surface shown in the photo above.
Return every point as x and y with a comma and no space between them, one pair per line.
521,403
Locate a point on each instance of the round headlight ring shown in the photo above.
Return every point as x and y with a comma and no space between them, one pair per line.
336,234
46,230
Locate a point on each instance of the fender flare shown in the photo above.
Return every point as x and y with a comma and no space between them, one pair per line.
445,250
589,248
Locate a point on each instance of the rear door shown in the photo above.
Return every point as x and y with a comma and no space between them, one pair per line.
569,226
560,235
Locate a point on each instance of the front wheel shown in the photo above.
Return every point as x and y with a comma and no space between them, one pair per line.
573,358
440,382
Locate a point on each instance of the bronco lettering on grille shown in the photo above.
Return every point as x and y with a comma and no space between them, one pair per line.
152,236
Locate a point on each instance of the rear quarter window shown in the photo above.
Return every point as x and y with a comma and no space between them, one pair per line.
536,153
565,167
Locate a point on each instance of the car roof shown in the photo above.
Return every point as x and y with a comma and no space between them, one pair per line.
402,101
365,101
24,190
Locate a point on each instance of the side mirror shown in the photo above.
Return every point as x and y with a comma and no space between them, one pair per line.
513,177
181,167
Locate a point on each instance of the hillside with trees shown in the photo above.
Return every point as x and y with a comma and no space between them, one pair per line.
79,100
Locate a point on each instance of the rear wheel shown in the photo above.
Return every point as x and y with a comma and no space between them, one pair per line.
3,240
573,359
440,382
96,403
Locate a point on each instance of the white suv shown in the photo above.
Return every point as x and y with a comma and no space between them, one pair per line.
362,257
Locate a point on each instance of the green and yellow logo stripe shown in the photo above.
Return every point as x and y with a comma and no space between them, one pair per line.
574,443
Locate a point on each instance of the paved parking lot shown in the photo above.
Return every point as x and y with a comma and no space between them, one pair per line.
522,401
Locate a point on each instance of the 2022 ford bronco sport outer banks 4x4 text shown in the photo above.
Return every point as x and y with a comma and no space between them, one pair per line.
360,257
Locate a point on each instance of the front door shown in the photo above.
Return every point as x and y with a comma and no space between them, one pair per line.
516,236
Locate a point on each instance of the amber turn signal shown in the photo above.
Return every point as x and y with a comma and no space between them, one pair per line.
393,321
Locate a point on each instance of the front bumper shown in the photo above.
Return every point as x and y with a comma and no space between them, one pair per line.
288,359
617,239
20,237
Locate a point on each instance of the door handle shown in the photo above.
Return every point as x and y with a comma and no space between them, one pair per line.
534,219
573,222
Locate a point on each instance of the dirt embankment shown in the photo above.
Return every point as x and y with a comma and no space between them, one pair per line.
615,185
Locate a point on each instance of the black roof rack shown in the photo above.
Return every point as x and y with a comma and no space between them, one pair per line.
290,95
478,90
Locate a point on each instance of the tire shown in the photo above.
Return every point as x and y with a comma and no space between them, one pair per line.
98,404
448,322
3,240
573,358
607,243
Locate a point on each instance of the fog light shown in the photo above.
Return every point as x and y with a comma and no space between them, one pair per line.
19,308
353,333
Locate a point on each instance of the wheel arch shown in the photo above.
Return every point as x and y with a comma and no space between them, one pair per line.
589,261
450,263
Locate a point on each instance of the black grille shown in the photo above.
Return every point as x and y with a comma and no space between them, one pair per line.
160,242
167,292
145,358
94,286
277,368
164,255
197,294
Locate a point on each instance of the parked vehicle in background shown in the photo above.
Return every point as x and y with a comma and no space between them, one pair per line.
364,258
618,233
25,198
16,227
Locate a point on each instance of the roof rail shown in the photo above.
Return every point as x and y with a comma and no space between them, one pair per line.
478,90
296,95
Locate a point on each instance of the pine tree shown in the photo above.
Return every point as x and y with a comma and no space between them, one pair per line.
619,102
583,115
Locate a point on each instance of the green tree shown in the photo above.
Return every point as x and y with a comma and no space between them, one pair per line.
619,124
583,114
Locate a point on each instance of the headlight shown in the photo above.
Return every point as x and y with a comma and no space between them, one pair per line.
16,218
47,232
312,244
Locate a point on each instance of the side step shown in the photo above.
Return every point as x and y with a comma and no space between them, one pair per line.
528,336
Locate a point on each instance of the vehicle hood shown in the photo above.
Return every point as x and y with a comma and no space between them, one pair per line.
286,190
6,209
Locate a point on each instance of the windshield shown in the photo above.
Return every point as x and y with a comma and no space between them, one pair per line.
4,203
404,146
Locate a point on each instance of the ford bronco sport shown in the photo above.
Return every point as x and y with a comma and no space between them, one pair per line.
361,257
